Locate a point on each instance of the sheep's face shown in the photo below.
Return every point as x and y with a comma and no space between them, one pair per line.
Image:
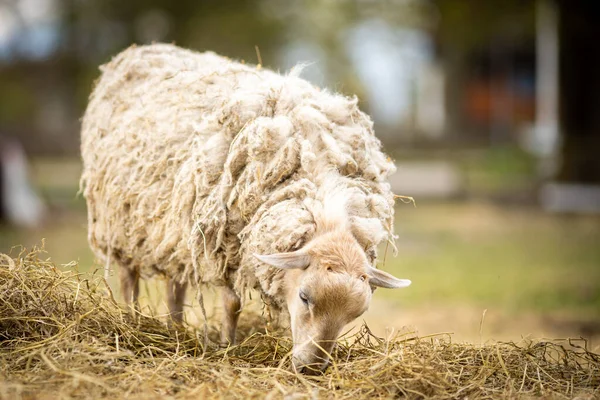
321,301
329,283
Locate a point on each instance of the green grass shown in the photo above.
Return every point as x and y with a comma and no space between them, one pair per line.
498,169
516,259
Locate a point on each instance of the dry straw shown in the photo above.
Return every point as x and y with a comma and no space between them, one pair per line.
63,336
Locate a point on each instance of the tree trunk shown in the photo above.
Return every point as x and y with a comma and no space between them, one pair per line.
579,35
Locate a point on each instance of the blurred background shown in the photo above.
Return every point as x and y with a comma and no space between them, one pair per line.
491,110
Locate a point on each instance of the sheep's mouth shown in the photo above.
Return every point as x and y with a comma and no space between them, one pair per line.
310,368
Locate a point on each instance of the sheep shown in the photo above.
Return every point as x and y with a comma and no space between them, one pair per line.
208,171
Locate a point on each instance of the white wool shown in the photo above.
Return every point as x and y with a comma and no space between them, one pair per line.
193,162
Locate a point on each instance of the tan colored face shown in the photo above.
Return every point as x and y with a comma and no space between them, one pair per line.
329,283
320,305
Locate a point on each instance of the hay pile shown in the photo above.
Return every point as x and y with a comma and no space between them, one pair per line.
193,162
63,336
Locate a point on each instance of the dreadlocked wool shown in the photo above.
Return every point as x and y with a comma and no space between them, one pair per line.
193,162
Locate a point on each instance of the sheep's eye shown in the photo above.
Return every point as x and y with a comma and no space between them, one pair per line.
304,298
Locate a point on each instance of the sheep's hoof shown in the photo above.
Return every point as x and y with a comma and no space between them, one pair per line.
226,342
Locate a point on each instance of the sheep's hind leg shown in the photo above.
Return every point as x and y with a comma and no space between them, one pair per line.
130,286
232,309
175,299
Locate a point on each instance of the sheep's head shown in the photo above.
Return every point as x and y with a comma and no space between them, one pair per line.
329,283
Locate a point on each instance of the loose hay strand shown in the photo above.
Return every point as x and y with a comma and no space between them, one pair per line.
406,199
62,336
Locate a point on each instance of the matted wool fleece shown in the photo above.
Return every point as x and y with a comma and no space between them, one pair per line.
193,162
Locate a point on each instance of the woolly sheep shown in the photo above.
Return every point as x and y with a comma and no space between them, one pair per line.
208,171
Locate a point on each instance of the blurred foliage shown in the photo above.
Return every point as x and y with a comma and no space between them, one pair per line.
96,30
469,24
17,103
230,27
91,31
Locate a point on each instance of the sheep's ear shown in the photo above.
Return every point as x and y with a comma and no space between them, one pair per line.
379,278
294,260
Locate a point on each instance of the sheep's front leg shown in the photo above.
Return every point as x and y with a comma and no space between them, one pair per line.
232,309
175,299
130,285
